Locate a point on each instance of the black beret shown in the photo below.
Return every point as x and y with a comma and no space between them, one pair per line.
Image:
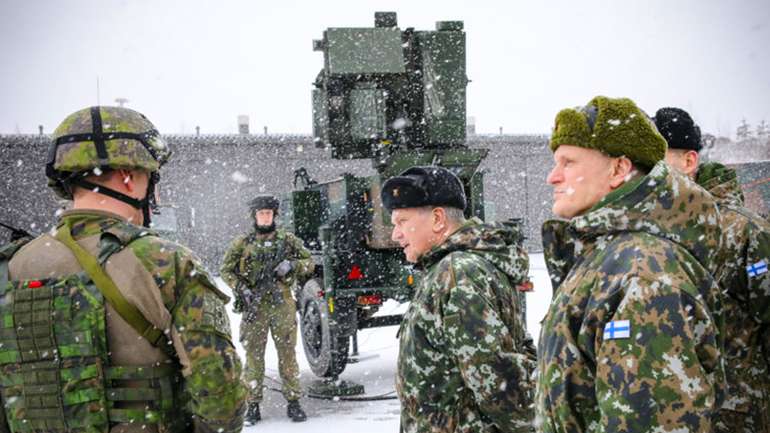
678,128
264,202
423,186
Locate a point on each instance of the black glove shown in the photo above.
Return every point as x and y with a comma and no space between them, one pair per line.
238,305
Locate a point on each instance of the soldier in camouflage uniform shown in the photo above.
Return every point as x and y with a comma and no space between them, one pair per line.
465,361
742,275
631,341
108,327
263,267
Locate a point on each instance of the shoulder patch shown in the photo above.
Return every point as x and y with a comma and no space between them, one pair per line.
214,313
617,329
757,269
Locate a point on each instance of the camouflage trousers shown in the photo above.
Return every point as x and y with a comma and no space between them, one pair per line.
281,321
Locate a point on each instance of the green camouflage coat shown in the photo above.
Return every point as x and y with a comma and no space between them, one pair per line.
746,283
464,364
629,343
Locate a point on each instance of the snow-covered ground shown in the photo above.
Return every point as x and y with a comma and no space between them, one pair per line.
378,350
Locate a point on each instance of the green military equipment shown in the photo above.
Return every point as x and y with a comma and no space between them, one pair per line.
397,97
55,368
385,86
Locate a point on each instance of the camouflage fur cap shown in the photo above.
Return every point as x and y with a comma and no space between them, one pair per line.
614,126
131,141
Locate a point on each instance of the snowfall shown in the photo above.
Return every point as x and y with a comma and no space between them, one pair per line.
375,370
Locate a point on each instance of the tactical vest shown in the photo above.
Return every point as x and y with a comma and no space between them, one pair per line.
260,257
256,265
55,369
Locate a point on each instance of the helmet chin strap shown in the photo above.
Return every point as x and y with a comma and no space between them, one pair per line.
145,205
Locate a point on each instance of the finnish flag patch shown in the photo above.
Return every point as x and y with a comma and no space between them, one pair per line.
617,329
757,268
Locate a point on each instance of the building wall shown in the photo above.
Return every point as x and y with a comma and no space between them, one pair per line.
210,179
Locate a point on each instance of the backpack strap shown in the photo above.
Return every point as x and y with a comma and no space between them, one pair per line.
109,290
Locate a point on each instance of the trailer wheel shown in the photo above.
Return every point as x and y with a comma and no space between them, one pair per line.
325,350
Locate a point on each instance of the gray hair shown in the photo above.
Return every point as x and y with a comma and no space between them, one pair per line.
454,215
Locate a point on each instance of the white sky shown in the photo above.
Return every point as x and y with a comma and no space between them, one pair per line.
192,62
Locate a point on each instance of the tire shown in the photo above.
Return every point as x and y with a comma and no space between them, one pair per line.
325,350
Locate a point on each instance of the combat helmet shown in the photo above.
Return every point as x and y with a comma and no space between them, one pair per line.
97,139
264,202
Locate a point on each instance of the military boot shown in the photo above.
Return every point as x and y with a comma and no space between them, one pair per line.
252,413
295,412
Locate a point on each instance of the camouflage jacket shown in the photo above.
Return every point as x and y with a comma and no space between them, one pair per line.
744,279
464,364
198,326
249,263
631,341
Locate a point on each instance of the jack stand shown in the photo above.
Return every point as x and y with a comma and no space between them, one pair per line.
356,357
353,358
334,387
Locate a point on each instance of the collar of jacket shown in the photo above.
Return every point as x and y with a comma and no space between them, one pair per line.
721,182
89,222
454,242
664,203
499,243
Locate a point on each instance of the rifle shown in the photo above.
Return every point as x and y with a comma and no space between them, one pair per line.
251,292
17,233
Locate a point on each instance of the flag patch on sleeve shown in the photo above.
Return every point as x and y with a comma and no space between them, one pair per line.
617,329
757,268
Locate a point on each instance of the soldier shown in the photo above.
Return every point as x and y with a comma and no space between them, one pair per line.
263,267
631,340
465,361
108,327
743,278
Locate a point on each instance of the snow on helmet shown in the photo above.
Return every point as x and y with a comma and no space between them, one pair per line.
96,139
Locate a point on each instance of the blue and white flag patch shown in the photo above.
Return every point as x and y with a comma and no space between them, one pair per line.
757,268
617,329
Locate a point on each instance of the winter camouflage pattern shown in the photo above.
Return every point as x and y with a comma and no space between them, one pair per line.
464,361
211,369
267,306
78,156
631,341
746,304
